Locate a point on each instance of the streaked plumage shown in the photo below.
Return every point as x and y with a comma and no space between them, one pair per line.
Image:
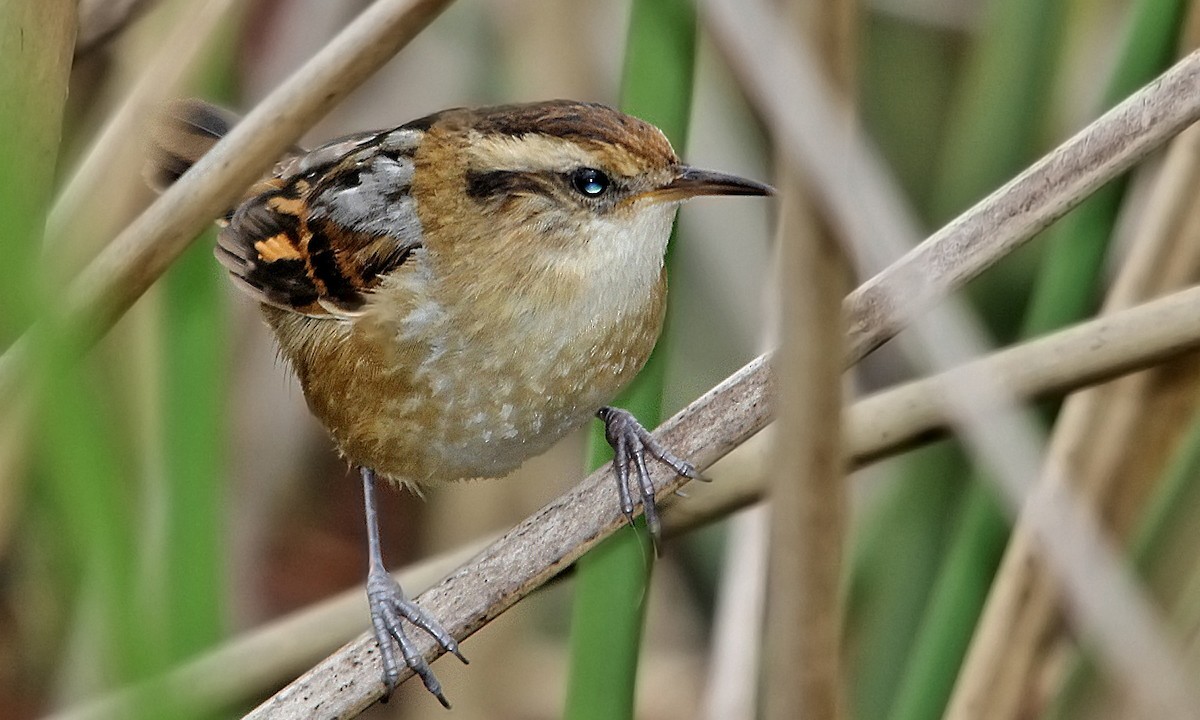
434,334
457,293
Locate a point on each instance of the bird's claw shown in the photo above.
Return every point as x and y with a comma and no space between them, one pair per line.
389,608
630,443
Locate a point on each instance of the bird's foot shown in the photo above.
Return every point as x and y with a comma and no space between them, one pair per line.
389,608
630,443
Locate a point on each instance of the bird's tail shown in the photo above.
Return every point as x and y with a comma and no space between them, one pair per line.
180,135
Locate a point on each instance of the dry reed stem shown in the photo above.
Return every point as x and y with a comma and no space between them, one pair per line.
902,417
111,164
730,685
140,254
1003,436
1167,393
545,543
724,417
36,40
102,20
115,156
1081,355
977,238
808,494
944,262
1096,430
875,427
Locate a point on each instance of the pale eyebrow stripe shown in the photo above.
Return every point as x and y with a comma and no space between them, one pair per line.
520,152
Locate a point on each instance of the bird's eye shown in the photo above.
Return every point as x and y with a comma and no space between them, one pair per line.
590,182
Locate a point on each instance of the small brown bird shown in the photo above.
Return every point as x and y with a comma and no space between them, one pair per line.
458,293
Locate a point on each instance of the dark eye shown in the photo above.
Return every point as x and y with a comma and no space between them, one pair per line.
590,182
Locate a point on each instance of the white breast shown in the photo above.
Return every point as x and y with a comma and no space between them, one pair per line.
617,268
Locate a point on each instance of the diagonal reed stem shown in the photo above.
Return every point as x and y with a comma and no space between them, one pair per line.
1002,434
551,539
945,261
876,427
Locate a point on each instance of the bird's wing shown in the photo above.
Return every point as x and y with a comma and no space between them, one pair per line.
328,226
318,233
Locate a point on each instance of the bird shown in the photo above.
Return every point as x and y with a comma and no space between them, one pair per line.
457,293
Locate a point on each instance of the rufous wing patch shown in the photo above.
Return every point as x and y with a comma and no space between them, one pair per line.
278,247
317,242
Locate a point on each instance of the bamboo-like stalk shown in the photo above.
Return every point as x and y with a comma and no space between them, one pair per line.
803,672
808,497
35,45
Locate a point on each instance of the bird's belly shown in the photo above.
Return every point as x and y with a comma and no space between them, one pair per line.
426,387
500,403
424,410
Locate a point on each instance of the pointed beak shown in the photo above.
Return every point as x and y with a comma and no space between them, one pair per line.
691,182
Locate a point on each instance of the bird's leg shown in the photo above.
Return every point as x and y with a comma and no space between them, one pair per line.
630,443
390,606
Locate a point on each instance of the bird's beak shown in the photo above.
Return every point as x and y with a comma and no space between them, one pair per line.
691,182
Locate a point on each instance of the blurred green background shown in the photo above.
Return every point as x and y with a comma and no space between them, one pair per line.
170,491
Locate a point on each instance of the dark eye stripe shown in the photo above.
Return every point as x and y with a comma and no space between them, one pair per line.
491,183
589,183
